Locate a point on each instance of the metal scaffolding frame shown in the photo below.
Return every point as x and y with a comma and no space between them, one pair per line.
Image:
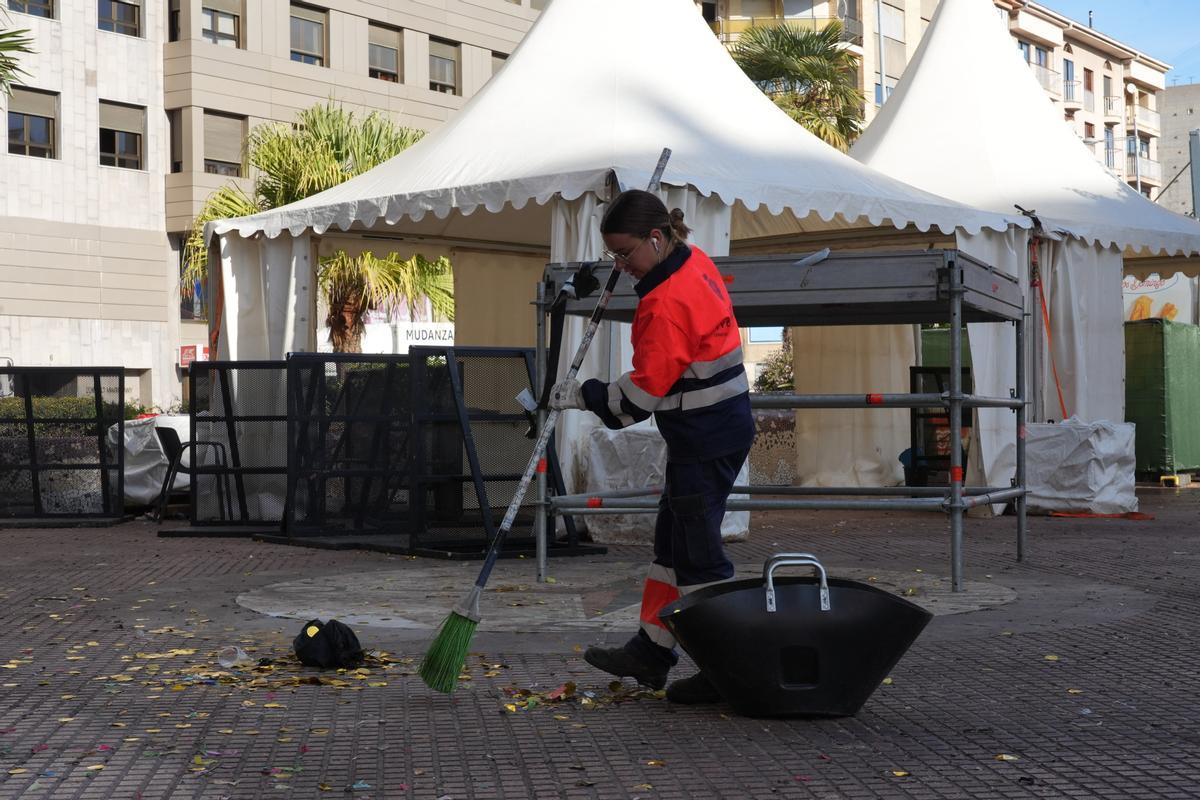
850,288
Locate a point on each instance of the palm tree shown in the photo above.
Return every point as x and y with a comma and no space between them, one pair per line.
326,146
354,285
810,74
13,42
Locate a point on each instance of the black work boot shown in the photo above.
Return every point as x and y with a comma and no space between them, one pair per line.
639,658
693,691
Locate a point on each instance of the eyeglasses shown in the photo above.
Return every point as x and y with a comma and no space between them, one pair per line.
623,257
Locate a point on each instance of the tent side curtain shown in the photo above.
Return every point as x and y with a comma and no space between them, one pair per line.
120,117
223,135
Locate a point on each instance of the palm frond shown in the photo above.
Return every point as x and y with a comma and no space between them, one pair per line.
809,74
225,203
13,42
353,285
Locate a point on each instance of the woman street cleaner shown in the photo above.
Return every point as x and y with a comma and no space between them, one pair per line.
687,372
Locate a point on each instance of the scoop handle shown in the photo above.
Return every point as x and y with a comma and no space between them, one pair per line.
794,560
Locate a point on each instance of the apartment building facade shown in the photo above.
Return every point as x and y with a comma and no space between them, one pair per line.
134,112
1180,115
1110,94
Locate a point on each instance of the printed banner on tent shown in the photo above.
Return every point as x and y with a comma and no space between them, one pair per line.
396,337
1172,298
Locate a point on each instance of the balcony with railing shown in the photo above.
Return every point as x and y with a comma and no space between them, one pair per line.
1148,118
728,30
1149,170
1114,106
1072,97
1048,78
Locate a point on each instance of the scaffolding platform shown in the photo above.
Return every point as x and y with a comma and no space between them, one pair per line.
855,288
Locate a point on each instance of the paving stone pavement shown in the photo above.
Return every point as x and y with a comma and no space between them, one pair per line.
110,687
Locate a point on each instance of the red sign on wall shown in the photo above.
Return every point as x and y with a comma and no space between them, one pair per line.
192,352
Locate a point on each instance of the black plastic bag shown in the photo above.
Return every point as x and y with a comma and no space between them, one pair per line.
327,644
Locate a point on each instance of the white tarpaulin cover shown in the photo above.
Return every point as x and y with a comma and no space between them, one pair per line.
145,461
1081,466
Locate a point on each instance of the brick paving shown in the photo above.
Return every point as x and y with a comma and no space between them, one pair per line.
108,640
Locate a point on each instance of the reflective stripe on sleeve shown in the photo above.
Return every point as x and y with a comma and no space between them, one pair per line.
707,369
636,395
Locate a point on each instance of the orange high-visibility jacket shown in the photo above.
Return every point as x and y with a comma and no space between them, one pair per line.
687,363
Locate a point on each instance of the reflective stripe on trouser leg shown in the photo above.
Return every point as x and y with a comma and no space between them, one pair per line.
658,592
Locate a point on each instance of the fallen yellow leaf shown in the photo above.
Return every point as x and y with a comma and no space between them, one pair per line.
1074,691
887,681
1052,658
900,773
654,762
1007,757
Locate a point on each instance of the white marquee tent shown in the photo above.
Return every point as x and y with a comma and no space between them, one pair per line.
586,95
991,137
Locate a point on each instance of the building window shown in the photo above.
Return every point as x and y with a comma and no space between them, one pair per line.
223,138
383,54
1041,56
120,17
1089,131
175,128
1026,51
122,128
765,335
308,35
31,116
35,8
221,23
443,66
893,22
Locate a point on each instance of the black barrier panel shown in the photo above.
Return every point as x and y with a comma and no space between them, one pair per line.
348,425
469,446
61,435
238,409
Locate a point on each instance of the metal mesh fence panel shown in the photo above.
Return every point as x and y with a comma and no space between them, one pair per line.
239,430
348,428
464,484
61,437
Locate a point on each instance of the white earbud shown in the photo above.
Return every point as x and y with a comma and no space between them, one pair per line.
655,243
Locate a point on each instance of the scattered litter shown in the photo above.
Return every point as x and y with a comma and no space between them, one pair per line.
233,657
1007,757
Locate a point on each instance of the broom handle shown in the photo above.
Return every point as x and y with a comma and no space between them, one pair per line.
543,440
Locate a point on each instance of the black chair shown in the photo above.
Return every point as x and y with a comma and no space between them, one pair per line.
174,450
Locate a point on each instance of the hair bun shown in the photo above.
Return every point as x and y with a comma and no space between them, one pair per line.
677,225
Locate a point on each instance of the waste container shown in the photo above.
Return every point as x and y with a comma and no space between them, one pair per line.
796,645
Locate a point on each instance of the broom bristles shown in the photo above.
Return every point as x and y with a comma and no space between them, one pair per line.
443,661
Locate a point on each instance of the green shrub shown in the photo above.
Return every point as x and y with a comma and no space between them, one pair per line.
12,409
777,369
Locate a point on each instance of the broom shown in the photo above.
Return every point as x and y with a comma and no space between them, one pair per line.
447,653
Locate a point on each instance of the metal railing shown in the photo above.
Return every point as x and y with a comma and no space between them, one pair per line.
1148,117
1048,78
1070,92
62,434
1146,168
1114,106
728,30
